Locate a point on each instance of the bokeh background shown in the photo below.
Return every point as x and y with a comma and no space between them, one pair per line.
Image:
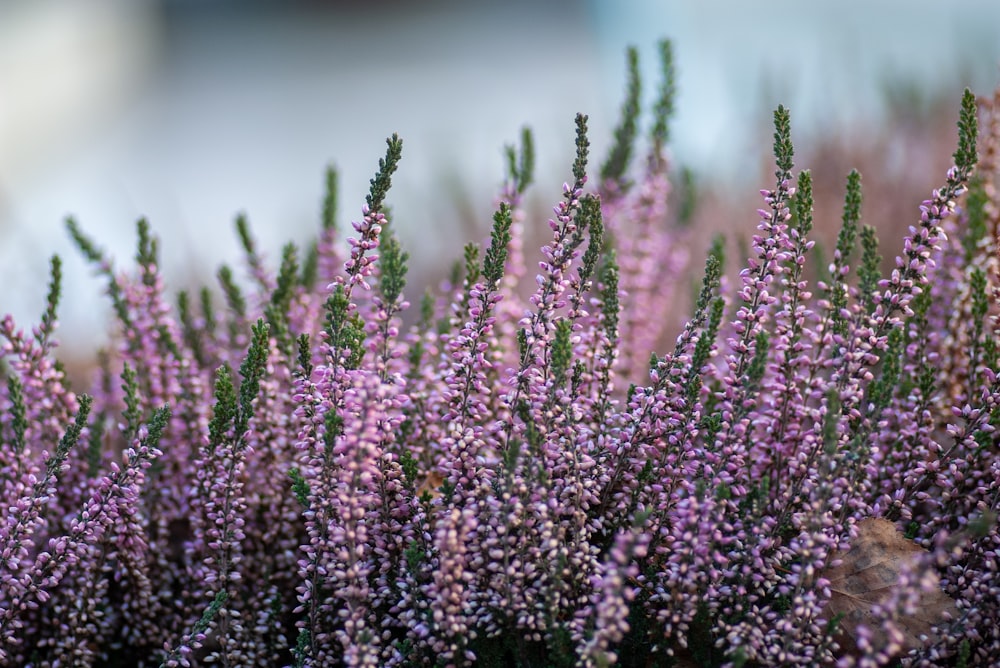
190,111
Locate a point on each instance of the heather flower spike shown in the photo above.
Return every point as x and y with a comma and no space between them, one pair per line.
542,468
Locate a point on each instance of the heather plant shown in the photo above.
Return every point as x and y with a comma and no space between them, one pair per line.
280,472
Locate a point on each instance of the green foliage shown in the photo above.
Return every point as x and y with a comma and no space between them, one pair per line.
305,368
53,465
51,301
582,152
700,640
281,298
346,329
758,365
203,624
976,226
392,278
95,446
869,273
802,205
310,267
624,144
496,254
562,352
979,291
300,487
207,310
472,267
18,413
610,304
707,315
590,218
663,110
968,129
147,252
882,388
234,295
831,423
246,238
522,345
329,218
383,177
191,335
687,201
414,556
333,428
133,410
710,282
964,653
850,217
702,350
95,255
157,424
521,164
783,150
226,407
251,371
846,240
90,250
410,465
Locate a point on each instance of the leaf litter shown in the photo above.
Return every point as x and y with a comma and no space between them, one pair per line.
868,574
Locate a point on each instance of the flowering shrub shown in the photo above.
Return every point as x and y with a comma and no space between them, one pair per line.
515,481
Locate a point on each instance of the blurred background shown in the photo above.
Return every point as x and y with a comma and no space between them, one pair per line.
190,111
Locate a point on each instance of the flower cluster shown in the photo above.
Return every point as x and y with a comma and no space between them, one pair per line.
304,475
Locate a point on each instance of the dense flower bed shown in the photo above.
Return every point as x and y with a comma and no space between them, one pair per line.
522,478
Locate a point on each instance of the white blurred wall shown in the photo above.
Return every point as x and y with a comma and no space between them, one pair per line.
187,112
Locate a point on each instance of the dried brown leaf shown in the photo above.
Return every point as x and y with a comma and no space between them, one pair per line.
430,485
867,574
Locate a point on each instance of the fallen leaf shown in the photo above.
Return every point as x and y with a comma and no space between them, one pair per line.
431,485
867,575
